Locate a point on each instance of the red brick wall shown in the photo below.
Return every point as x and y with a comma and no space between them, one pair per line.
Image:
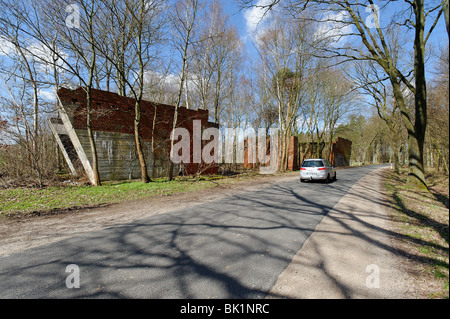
341,152
114,113
340,155
250,157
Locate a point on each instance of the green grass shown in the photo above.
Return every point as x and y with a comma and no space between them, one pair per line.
26,200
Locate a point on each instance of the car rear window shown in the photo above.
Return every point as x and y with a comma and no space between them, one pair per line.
312,164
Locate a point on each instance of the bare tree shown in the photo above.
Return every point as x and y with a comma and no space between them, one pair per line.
350,20
73,47
23,80
339,100
115,36
370,80
287,57
183,20
81,43
216,52
140,23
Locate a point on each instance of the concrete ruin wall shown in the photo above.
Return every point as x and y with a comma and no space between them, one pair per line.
113,126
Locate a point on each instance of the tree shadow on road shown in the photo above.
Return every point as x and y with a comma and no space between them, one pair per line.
232,248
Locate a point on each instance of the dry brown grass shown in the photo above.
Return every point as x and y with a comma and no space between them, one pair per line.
421,220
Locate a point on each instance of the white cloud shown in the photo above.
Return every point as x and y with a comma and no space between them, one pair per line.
6,47
47,95
152,77
257,18
44,56
33,52
334,27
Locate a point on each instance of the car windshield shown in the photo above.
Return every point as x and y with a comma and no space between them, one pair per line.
312,164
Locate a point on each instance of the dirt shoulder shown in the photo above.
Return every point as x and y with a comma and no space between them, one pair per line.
351,253
28,231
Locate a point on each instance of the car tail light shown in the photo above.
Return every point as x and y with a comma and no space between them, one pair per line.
303,169
321,169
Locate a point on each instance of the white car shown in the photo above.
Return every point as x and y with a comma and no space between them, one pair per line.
317,169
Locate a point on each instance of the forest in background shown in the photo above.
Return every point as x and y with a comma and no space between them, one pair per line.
319,70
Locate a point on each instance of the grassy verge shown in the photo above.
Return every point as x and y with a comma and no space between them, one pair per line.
24,200
27,200
422,222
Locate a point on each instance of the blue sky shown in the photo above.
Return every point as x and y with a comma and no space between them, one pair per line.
246,19
237,18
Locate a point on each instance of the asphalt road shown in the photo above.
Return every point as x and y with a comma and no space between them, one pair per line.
235,247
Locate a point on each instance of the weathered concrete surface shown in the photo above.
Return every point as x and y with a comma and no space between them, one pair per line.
347,249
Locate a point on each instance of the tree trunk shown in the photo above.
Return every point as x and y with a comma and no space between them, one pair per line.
137,108
446,15
121,82
283,151
416,176
137,139
153,143
96,175
189,28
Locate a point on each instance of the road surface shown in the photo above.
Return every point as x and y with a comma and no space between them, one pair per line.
235,247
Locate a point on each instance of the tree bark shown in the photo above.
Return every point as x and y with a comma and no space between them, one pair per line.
188,29
137,109
416,140
137,122
96,175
